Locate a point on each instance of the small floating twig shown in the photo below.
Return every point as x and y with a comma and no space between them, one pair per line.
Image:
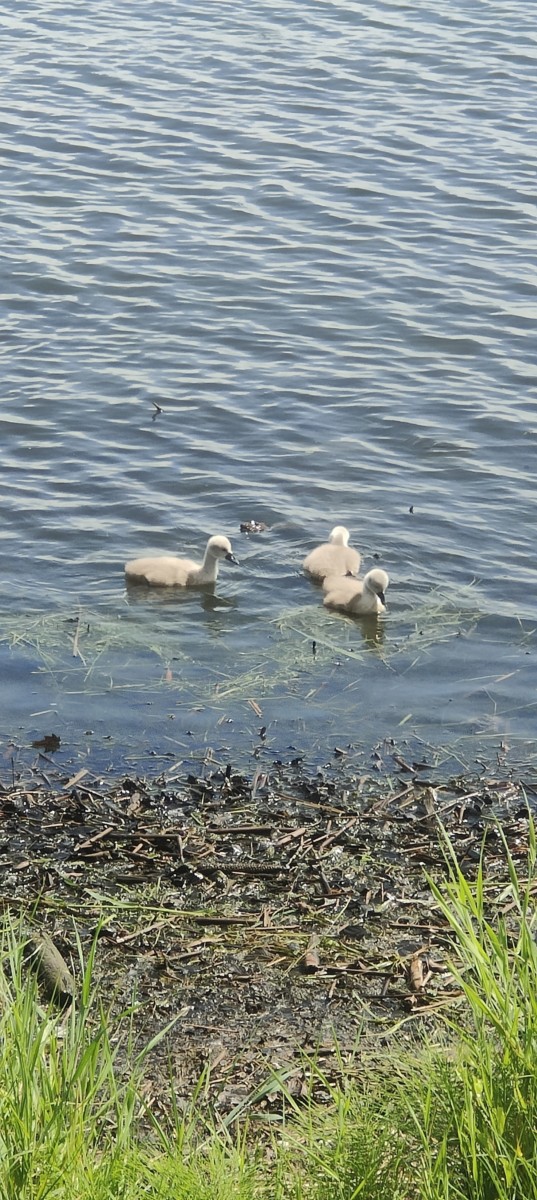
76,649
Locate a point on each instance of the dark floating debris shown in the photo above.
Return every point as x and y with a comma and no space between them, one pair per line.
49,743
252,527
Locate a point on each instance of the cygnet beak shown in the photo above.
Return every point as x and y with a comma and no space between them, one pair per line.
231,558
382,598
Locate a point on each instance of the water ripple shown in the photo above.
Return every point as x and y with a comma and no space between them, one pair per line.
307,233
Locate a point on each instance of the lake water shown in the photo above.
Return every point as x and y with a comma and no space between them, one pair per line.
307,232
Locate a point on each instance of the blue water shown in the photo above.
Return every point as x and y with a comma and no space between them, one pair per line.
307,232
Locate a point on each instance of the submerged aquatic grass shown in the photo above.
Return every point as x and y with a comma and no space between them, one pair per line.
92,650
417,628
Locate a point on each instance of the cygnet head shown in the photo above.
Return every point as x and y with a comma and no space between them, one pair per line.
220,547
377,581
339,536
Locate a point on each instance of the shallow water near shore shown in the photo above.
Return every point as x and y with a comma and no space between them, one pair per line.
308,237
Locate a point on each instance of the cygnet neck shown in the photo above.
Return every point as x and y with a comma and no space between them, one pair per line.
208,572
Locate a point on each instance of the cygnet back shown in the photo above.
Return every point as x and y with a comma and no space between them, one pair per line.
334,557
357,596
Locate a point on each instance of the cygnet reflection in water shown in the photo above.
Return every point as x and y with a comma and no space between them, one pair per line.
334,557
163,598
170,571
357,596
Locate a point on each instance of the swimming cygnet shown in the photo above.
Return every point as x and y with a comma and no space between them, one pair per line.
169,571
357,596
334,557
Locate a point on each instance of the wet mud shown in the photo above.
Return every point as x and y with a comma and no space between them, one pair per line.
266,915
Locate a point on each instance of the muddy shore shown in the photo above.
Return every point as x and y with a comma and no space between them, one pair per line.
270,914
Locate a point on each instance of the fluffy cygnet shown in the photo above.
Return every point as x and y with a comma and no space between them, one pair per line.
357,596
169,571
334,557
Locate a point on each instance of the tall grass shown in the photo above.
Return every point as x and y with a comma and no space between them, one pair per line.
63,1115
478,1128
73,1125
454,1120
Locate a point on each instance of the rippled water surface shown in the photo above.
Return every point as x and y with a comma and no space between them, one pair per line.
307,231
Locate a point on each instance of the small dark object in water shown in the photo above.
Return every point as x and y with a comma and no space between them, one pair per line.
314,648
48,743
51,967
252,527
411,509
